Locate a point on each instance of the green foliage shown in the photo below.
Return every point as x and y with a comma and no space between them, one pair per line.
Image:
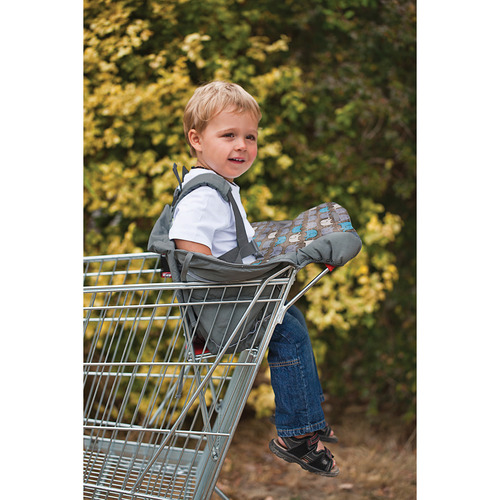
336,83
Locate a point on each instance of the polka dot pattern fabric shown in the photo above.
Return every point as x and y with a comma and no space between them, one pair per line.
274,238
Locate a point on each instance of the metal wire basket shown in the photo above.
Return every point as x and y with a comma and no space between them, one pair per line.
160,411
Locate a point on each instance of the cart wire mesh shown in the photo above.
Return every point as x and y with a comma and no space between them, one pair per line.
160,410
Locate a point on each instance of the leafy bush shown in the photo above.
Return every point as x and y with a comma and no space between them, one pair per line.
336,83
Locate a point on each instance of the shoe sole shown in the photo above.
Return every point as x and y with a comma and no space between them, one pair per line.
288,457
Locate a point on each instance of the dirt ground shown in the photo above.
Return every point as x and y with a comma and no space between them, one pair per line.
374,464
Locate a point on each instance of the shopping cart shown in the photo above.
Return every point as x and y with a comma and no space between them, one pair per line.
159,409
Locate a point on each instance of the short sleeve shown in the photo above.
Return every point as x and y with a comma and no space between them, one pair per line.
199,216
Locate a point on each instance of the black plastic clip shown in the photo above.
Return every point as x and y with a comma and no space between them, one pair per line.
165,270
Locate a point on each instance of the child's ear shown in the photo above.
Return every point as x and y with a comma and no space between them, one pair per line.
194,139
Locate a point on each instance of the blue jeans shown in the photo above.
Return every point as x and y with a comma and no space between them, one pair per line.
294,378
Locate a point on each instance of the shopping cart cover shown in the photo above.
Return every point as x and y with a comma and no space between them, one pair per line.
335,249
322,234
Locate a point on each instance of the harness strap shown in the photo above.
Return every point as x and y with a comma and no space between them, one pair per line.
179,180
185,266
244,246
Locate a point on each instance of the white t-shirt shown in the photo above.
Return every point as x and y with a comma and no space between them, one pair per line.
204,217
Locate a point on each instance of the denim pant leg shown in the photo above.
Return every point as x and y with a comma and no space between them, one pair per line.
297,314
294,378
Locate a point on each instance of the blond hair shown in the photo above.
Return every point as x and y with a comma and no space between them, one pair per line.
211,99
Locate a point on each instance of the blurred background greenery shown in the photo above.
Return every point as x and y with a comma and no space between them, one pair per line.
336,82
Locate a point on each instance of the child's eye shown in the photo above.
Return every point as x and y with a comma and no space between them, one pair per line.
251,137
229,134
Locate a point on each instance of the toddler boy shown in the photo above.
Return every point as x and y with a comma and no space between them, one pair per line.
221,127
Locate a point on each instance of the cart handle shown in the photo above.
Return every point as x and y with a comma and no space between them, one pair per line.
329,269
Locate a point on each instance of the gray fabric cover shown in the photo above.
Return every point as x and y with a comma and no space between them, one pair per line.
291,243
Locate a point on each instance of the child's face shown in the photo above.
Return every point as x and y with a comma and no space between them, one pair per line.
228,145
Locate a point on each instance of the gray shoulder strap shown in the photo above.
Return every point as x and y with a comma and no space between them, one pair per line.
245,247
184,172
214,181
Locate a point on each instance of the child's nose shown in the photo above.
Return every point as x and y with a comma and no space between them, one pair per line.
240,144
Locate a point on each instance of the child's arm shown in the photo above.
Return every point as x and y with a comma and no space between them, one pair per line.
191,246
